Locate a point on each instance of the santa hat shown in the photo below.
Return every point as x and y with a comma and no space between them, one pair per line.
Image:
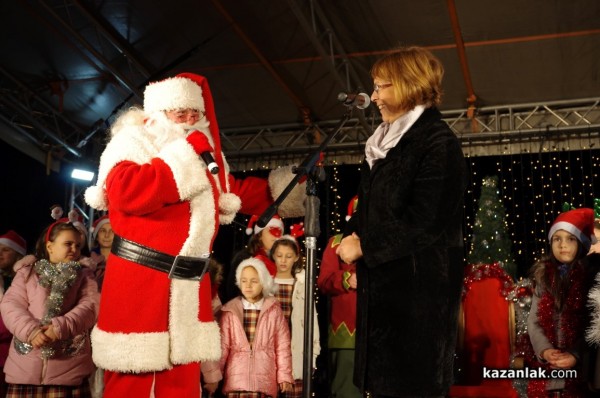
187,90
98,224
265,278
274,223
14,241
352,207
579,222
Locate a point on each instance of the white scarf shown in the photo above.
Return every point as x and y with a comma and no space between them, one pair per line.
388,135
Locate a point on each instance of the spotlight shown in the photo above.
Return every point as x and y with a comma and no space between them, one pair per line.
84,175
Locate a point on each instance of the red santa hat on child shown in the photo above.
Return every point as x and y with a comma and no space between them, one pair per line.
352,207
579,222
98,224
14,241
275,226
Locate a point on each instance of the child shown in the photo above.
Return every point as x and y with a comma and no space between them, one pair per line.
290,282
102,239
215,270
50,308
102,235
12,248
258,246
338,281
256,359
556,321
595,248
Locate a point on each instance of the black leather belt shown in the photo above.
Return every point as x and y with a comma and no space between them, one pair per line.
178,267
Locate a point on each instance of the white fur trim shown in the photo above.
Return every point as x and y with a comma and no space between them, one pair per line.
95,196
592,333
191,340
130,142
187,168
130,352
572,229
173,93
13,245
139,143
202,226
229,205
293,205
274,222
266,280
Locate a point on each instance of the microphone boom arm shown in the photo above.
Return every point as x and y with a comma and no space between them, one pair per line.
304,169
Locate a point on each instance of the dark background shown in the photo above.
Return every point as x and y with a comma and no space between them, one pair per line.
533,188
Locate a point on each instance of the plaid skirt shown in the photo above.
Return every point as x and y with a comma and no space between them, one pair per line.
296,390
246,394
31,391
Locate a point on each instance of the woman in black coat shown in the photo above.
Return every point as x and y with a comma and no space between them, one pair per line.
408,235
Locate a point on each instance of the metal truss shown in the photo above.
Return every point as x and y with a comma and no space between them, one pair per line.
498,130
42,125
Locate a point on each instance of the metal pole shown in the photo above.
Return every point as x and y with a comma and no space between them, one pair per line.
312,231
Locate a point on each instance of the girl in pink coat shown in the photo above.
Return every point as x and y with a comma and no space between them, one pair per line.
255,340
50,308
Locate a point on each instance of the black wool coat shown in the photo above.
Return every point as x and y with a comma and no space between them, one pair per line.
409,220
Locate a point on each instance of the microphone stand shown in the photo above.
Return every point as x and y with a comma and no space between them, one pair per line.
312,230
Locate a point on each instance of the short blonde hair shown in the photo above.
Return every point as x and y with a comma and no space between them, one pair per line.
416,75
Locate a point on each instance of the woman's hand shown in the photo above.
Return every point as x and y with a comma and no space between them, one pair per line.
349,249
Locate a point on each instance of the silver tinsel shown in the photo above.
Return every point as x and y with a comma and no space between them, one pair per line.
57,278
521,297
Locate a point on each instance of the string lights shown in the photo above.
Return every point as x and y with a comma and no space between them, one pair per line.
533,186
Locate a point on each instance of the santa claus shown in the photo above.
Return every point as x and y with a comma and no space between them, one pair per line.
156,323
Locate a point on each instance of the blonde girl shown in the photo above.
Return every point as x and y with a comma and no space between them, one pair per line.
255,342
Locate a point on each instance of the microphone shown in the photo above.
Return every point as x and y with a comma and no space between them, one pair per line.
211,165
360,100
210,162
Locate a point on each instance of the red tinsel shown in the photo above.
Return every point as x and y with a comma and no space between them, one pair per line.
479,272
571,325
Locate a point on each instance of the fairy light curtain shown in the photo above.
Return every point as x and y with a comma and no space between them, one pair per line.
532,186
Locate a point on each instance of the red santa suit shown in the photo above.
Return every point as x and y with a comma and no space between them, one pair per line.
159,194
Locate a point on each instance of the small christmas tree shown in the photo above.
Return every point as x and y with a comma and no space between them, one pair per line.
490,243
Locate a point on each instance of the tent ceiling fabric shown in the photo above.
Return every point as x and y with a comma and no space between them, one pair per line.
68,66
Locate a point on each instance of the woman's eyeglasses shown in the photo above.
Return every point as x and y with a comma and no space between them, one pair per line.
377,87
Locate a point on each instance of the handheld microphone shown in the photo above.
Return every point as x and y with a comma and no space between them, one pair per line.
360,100
210,162
211,165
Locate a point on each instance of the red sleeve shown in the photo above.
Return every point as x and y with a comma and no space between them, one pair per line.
141,189
331,274
254,193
